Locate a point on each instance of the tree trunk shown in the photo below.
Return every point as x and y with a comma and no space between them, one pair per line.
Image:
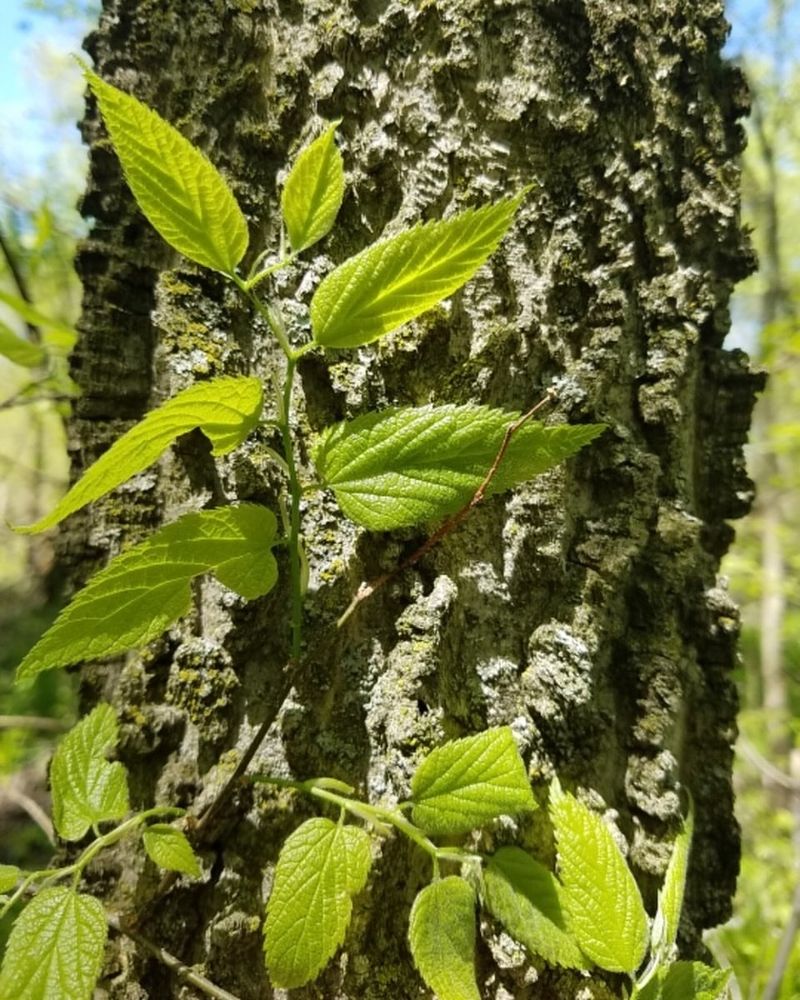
584,609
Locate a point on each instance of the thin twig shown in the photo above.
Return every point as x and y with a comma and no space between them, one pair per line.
207,819
31,807
175,965
43,723
767,768
18,399
368,589
202,830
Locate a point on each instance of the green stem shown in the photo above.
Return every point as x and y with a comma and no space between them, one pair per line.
304,349
24,885
96,846
269,315
273,318
115,835
375,814
295,492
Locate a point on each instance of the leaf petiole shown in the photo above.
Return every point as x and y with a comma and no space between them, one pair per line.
255,279
24,886
114,836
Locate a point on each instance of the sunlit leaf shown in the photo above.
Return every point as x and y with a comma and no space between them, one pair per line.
686,981
670,898
321,867
395,280
225,409
144,590
403,466
526,898
468,782
603,905
88,789
182,194
55,950
168,848
441,933
313,192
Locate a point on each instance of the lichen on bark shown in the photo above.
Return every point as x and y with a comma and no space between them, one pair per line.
584,610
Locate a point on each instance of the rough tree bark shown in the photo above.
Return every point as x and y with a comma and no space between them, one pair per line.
584,610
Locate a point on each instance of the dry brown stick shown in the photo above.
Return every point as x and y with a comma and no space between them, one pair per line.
367,589
202,827
175,965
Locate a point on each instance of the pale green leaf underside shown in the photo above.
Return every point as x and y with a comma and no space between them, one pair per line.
441,933
694,981
225,409
20,352
602,901
144,590
88,789
169,849
180,192
9,876
55,950
526,898
312,195
405,466
670,898
468,782
36,318
395,280
320,867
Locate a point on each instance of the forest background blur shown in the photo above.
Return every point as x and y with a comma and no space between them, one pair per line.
42,169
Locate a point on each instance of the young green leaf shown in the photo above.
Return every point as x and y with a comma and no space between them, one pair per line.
144,590
670,898
526,898
183,196
321,867
9,876
169,848
692,981
225,409
396,280
441,933
20,352
313,192
88,789
603,905
468,782
55,949
404,466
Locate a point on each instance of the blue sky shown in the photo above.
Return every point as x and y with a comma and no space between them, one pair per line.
35,47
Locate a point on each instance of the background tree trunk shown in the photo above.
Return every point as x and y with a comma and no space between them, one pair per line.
584,609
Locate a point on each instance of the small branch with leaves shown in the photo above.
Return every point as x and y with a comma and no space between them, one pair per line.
459,788
390,469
